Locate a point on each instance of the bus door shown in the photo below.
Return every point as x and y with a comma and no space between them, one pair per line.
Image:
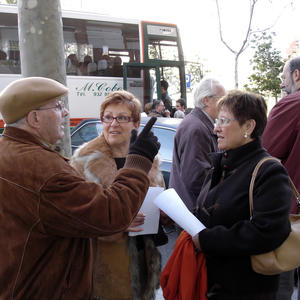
145,89
161,60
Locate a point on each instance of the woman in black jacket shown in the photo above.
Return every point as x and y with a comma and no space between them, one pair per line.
231,237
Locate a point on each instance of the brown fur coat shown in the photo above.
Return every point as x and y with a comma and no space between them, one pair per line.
125,268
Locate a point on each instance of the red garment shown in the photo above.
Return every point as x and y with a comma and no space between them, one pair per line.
281,136
184,276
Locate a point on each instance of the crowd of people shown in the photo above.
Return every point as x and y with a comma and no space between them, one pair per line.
65,223
103,66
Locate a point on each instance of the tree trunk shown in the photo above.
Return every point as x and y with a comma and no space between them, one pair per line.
236,73
42,47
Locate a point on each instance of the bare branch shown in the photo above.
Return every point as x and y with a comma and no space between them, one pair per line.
275,22
244,45
220,30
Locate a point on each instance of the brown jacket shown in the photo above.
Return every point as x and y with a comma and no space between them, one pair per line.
48,215
120,266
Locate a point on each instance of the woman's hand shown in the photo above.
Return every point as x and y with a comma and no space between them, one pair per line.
196,242
137,221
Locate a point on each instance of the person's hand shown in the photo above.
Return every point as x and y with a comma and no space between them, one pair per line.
137,221
167,113
146,143
196,242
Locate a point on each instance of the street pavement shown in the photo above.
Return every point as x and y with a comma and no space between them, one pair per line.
294,296
159,295
166,251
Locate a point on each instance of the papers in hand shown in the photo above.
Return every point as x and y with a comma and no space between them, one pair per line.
151,211
170,203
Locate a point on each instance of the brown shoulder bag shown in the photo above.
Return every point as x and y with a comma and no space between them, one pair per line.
287,256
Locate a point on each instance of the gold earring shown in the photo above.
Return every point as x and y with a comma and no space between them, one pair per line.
246,135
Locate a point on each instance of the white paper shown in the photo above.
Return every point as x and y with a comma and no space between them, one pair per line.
151,211
169,202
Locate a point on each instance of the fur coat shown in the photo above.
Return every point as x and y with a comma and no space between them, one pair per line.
125,268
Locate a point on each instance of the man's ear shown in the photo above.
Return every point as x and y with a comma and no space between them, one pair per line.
205,100
33,119
296,75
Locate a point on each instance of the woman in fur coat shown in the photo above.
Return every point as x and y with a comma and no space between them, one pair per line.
125,268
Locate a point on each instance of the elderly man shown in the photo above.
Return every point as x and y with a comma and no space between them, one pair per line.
48,212
282,139
159,110
194,139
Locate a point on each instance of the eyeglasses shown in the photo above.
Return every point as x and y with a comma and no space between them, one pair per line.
216,97
119,119
223,121
59,106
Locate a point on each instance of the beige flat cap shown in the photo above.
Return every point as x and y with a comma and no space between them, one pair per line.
26,94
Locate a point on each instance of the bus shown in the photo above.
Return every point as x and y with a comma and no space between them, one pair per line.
104,54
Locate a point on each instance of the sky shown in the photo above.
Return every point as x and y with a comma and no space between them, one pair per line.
198,26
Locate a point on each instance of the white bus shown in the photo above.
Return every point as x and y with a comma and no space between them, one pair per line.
104,54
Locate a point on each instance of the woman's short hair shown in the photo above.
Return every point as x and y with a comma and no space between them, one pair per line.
245,106
123,97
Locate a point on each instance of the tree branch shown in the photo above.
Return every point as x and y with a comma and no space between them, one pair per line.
244,45
275,22
220,30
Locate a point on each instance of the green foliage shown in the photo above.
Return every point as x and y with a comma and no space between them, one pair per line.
196,69
267,66
10,1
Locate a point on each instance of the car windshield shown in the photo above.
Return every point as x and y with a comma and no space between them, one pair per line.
86,133
166,139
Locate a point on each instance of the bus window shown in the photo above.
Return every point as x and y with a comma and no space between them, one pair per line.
163,50
9,45
108,45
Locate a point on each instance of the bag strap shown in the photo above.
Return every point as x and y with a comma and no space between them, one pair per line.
295,191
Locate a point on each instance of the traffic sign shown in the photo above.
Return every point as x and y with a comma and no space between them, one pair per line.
188,78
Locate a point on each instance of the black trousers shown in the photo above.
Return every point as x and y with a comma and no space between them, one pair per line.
261,296
216,292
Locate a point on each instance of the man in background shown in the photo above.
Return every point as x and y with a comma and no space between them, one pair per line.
180,109
281,138
194,139
159,110
164,85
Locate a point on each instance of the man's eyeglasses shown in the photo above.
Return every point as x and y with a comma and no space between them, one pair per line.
216,97
59,106
119,119
223,121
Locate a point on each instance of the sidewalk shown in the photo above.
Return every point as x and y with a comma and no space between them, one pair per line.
159,295
294,296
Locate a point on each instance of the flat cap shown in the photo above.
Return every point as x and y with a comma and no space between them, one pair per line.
26,94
